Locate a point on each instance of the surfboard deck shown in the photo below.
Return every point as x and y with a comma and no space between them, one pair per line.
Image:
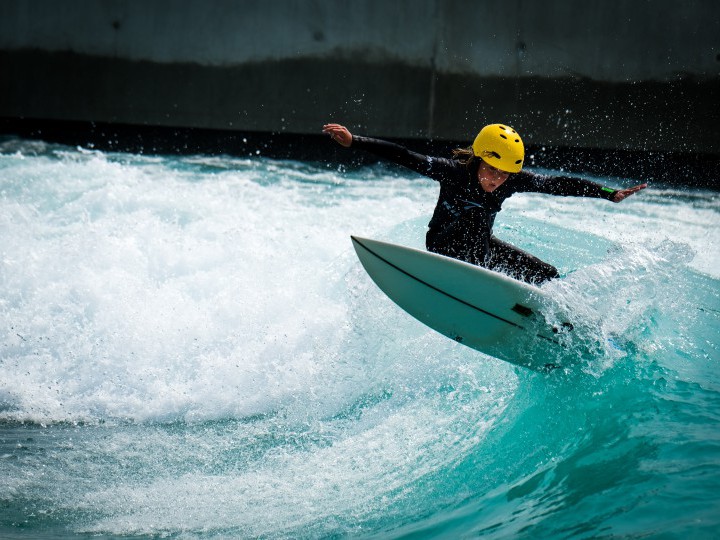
485,310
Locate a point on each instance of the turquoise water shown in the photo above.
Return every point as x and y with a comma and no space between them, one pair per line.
190,349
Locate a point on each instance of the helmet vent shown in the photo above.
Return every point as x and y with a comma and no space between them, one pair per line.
500,146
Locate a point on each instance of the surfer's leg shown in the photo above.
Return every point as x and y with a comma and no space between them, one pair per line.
519,264
461,253
466,239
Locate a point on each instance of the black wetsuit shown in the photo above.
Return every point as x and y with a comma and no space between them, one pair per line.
461,226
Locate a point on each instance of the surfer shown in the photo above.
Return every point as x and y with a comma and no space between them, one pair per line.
473,186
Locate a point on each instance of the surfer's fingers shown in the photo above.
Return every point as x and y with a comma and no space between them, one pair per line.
339,134
333,127
637,188
623,194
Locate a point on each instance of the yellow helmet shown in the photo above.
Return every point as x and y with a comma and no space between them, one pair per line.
500,146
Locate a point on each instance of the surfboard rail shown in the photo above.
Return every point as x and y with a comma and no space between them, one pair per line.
485,310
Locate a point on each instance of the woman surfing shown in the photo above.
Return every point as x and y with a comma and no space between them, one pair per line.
473,185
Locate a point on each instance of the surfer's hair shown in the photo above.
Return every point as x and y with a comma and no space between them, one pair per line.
465,156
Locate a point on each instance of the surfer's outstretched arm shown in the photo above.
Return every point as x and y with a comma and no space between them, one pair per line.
432,167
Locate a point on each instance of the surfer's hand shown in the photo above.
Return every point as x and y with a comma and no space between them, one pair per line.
339,134
622,194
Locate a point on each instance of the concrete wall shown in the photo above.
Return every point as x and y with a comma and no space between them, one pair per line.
614,74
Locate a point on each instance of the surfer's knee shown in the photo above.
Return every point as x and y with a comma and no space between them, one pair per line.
544,274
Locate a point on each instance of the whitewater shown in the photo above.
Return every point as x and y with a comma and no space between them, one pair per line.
190,349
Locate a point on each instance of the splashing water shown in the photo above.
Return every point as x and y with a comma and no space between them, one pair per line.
189,348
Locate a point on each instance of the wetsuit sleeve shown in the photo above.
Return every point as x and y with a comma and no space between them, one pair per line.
436,168
563,185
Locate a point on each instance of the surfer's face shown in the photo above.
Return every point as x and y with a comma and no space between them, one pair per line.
490,178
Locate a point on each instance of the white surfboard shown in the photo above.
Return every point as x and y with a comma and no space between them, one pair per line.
482,309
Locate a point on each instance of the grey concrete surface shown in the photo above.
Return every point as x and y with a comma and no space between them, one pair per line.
637,75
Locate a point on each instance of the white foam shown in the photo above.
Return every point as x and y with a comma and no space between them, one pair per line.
148,288
137,290
222,296
358,472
